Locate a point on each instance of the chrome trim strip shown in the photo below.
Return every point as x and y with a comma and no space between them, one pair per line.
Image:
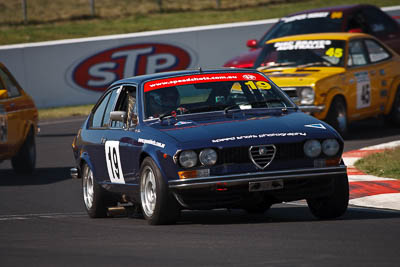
252,177
312,108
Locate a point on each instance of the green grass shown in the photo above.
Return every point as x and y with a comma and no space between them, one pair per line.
385,164
52,21
62,112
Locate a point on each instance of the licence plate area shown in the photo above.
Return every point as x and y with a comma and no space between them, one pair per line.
265,185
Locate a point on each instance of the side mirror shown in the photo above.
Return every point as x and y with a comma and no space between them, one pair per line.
3,94
252,43
118,116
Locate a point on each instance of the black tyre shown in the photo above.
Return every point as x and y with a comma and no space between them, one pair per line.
94,196
334,205
256,204
25,160
158,204
394,115
337,116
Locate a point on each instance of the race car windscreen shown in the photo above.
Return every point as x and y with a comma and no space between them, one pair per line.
302,53
213,96
304,24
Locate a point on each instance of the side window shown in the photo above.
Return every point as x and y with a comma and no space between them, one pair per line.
126,102
376,51
9,84
97,118
357,23
109,108
357,55
378,21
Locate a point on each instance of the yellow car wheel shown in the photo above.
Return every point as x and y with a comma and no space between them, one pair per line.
337,116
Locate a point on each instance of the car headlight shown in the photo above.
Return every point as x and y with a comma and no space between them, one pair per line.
330,147
208,157
306,95
312,148
188,158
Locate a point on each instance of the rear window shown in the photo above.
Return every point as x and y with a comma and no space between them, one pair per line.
306,23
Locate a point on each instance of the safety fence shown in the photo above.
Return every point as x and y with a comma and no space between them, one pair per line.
43,11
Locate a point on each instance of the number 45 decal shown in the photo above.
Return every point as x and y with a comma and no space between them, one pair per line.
114,162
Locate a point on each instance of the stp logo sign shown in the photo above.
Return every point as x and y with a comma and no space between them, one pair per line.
97,72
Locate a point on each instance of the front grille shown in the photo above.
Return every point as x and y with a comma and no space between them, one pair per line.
262,155
288,151
290,91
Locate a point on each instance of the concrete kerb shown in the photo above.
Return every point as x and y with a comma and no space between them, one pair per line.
368,190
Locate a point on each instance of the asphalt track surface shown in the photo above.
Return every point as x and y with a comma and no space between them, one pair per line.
43,223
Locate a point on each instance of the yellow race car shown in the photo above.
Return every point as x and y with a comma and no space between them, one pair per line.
18,124
337,77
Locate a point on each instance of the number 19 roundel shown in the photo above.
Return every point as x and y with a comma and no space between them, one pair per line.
114,162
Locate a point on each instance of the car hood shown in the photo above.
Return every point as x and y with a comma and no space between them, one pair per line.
284,77
244,129
245,60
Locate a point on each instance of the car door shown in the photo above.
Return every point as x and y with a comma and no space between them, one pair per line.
95,134
12,119
122,149
381,72
362,92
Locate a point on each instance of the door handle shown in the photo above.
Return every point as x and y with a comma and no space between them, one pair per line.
103,140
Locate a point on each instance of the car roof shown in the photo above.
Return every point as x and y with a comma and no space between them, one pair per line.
162,75
319,36
343,8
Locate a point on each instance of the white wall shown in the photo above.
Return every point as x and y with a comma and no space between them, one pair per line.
45,70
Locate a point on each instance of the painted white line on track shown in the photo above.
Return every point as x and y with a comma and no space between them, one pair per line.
11,217
349,161
388,145
382,201
366,177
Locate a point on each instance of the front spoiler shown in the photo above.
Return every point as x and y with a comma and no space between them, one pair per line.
245,178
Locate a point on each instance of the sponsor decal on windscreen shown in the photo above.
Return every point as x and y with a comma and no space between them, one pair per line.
202,78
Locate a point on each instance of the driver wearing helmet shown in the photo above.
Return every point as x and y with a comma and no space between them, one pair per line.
162,101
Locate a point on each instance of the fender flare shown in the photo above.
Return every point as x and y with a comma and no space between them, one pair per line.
330,96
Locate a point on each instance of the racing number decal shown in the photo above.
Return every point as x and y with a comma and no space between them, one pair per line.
363,90
334,52
114,162
258,85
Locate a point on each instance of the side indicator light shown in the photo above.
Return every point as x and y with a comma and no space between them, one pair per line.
333,162
194,173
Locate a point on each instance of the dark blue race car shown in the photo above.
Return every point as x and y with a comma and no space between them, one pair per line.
210,139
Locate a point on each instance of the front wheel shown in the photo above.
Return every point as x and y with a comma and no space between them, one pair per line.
25,160
337,116
332,206
158,204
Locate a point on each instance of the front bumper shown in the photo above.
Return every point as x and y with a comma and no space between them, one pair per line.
245,178
312,109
